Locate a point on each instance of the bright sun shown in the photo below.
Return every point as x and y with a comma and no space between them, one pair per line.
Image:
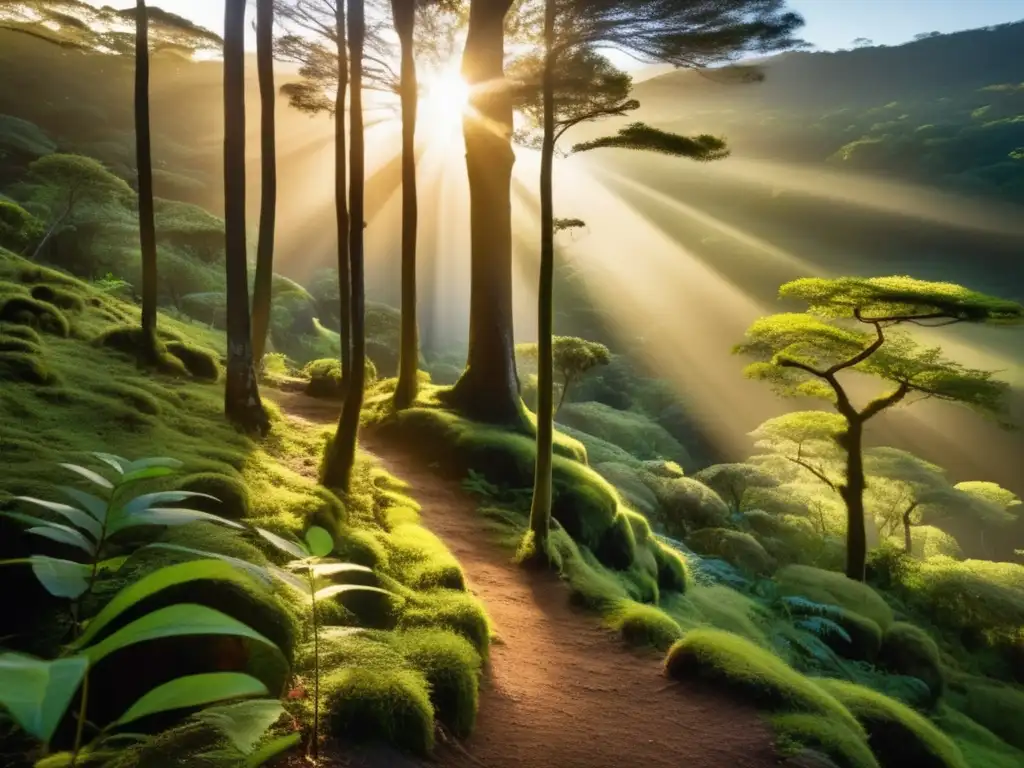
447,94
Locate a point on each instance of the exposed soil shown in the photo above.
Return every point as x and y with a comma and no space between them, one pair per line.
559,689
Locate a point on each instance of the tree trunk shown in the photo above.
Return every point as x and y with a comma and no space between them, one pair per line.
264,282
144,164
241,393
341,200
341,454
50,233
908,540
540,509
852,492
488,390
404,12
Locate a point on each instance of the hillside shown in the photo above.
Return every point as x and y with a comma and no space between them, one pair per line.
946,110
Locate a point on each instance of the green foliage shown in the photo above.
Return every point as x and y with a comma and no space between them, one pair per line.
836,589
22,140
979,746
633,432
640,136
325,377
738,548
795,732
997,707
909,650
219,494
897,734
573,358
732,481
146,351
686,505
19,229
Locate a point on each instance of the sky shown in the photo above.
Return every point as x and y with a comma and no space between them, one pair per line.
830,24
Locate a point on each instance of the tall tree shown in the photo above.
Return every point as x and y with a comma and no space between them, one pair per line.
241,393
341,454
488,389
263,285
404,16
805,355
144,164
318,44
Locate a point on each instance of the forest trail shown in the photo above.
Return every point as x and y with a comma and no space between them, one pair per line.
559,689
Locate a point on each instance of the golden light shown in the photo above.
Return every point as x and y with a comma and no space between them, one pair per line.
445,101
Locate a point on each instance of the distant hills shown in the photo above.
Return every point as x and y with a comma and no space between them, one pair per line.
946,110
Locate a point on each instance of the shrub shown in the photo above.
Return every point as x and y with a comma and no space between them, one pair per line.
232,496
644,625
451,667
740,549
19,229
200,363
633,432
325,377
628,482
908,650
22,310
834,588
386,706
751,673
897,734
686,505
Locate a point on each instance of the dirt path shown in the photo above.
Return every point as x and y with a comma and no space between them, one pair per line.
560,690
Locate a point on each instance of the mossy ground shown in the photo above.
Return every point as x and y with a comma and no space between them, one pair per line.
93,398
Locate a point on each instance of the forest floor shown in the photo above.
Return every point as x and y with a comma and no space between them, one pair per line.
559,689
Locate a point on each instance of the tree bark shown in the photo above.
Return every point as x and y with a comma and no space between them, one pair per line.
540,509
341,454
852,492
404,12
241,393
488,390
341,200
144,165
908,540
264,282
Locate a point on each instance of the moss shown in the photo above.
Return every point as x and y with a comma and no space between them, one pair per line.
449,609
59,297
325,378
897,734
131,341
686,505
628,481
451,667
865,636
136,397
41,315
980,747
796,732
231,494
633,432
996,706
730,610
909,650
420,560
644,625
740,549
673,573
192,744
834,588
30,369
744,670
377,706
24,332
199,362
14,344
617,545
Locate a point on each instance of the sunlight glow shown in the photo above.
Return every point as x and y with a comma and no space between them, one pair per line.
445,102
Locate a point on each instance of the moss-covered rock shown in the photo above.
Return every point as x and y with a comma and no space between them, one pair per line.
231,494
59,297
40,315
200,363
633,432
147,352
909,650
630,485
686,505
392,707
865,636
451,667
27,368
325,379
644,625
898,735
673,574
735,547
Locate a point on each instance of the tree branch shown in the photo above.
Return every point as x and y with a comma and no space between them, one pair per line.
865,353
877,406
617,110
814,471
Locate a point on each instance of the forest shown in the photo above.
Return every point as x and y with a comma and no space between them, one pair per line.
405,384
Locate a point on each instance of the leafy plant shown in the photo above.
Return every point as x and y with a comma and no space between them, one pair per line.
312,561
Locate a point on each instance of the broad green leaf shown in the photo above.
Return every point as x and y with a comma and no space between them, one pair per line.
37,693
272,749
256,570
147,500
169,516
337,589
90,475
327,569
194,691
61,578
176,620
64,535
154,582
118,463
94,505
27,519
300,585
162,462
111,564
145,474
293,549
319,541
74,515
243,723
